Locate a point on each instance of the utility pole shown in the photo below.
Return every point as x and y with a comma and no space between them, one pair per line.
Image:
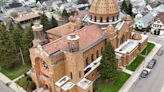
22,56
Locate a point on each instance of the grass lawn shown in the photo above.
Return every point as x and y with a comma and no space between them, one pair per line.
133,66
17,71
101,86
26,84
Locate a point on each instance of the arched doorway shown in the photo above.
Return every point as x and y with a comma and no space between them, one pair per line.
38,70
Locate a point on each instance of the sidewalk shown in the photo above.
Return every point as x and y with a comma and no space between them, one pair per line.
127,71
137,72
12,85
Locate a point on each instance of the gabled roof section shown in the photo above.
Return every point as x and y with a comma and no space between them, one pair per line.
88,35
161,17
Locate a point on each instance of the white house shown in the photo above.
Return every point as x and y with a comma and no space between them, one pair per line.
157,27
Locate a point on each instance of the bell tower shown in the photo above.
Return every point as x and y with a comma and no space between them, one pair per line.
73,43
39,36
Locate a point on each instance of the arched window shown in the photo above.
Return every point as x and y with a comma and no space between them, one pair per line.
107,19
87,61
95,19
71,75
113,18
101,19
92,57
97,54
101,50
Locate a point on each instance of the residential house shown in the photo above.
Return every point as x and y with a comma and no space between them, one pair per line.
157,27
145,21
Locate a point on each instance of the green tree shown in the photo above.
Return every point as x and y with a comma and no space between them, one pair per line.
45,22
124,6
7,52
108,66
26,43
129,9
16,35
10,26
53,22
65,15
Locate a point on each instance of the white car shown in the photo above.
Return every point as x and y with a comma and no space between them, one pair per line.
145,72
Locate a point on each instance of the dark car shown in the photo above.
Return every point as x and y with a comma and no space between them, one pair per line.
151,64
145,72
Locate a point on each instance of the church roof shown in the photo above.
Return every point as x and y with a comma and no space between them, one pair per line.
88,35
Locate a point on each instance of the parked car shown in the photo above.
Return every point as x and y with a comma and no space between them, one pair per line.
145,72
151,64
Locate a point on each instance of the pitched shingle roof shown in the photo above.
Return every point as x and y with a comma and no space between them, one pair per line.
161,17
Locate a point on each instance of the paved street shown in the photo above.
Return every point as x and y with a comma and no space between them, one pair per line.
4,88
155,81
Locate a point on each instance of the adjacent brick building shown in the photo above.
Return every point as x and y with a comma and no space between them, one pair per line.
68,60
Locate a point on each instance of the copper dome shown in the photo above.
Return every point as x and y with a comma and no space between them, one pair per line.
104,10
136,36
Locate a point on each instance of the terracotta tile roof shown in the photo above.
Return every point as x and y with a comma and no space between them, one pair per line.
161,17
125,26
88,35
63,30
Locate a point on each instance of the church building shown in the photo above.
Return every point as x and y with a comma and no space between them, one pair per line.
68,60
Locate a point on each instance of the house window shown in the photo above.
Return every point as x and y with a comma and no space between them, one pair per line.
91,17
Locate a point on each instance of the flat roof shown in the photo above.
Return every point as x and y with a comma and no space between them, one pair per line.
127,46
68,86
62,81
84,83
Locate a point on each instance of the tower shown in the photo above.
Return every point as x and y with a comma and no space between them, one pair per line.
39,36
73,43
